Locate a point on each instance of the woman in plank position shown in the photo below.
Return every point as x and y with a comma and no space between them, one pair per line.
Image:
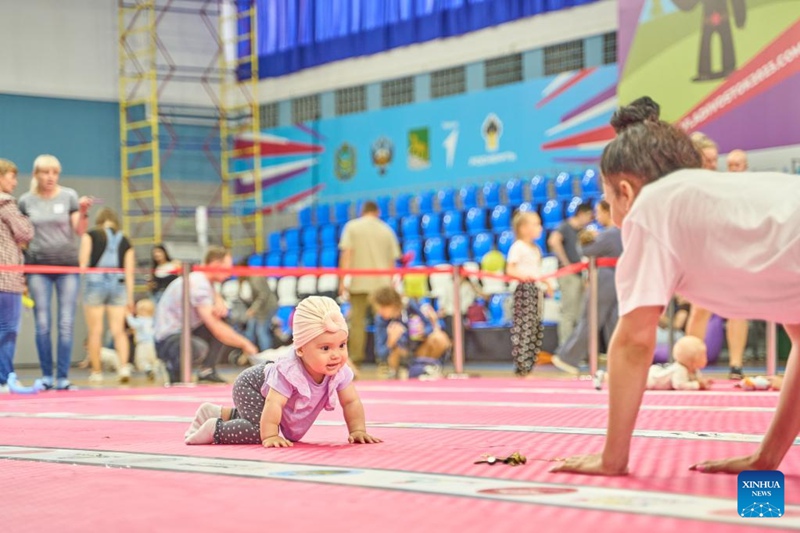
728,242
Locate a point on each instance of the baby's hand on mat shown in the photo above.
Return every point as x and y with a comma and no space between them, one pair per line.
276,442
362,437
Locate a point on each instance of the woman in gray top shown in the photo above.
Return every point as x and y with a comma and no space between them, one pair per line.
59,218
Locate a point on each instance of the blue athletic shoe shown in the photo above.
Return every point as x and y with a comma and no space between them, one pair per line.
17,388
44,383
64,384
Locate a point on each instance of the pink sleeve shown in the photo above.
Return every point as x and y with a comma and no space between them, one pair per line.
280,384
346,378
647,272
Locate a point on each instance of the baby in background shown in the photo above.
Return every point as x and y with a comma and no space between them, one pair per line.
276,403
143,325
689,355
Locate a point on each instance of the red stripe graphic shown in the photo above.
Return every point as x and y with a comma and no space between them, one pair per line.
774,64
273,148
561,90
601,134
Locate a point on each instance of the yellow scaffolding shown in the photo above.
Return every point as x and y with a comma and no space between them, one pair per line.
138,122
230,81
240,120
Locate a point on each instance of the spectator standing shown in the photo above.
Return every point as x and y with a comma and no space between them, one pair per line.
164,271
367,243
59,217
107,294
16,232
564,243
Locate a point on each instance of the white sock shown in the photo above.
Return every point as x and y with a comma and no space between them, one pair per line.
205,434
204,412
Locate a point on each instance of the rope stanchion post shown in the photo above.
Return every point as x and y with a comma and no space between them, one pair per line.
186,328
772,348
593,318
671,330
458,327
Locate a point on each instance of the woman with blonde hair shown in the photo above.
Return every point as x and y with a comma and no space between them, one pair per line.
108,293
58,216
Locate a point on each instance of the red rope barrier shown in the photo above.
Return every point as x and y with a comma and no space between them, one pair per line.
303,271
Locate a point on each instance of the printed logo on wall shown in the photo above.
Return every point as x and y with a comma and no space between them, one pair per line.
419,149
761,494
344,166
450,142
382,154
492,130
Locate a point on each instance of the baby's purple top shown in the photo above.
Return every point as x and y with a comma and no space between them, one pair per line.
306,397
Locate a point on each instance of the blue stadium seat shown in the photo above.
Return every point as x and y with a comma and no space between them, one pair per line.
394,224
255,260
291,237
309,259
413,246
542,243
329,235
564,186
283,314
497,310
527,207
434,251
469,196
572,206
491,194
290,259
453,223
431,225
447,199
275,241
402,205
274,259
341,212
501,218
310,236
482,244
409,225
304,217
539,192
385,205
590,185
552,214
458,249
329,257
505,240
515,193
323,214
476,220
425,202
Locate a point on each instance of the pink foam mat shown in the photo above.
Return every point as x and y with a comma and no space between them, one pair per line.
167,498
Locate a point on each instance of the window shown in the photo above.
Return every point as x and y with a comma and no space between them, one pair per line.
305,108
351,100
269,115
563,57
503,70
397,92
609,48
448,82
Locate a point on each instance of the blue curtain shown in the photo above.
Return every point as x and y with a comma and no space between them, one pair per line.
298,34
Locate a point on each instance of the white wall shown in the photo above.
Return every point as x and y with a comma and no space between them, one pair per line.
513,37
70,49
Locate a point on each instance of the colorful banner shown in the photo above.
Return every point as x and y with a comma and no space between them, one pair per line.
546,125
728,68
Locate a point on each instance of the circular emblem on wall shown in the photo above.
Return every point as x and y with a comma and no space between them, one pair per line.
382,154
345,162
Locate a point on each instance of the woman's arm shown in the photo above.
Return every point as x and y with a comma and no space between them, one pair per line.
354,416
85,252
271,421
130,266
80,218
630,354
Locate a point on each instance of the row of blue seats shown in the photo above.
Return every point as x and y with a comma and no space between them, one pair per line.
473,221
538,189
431,251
